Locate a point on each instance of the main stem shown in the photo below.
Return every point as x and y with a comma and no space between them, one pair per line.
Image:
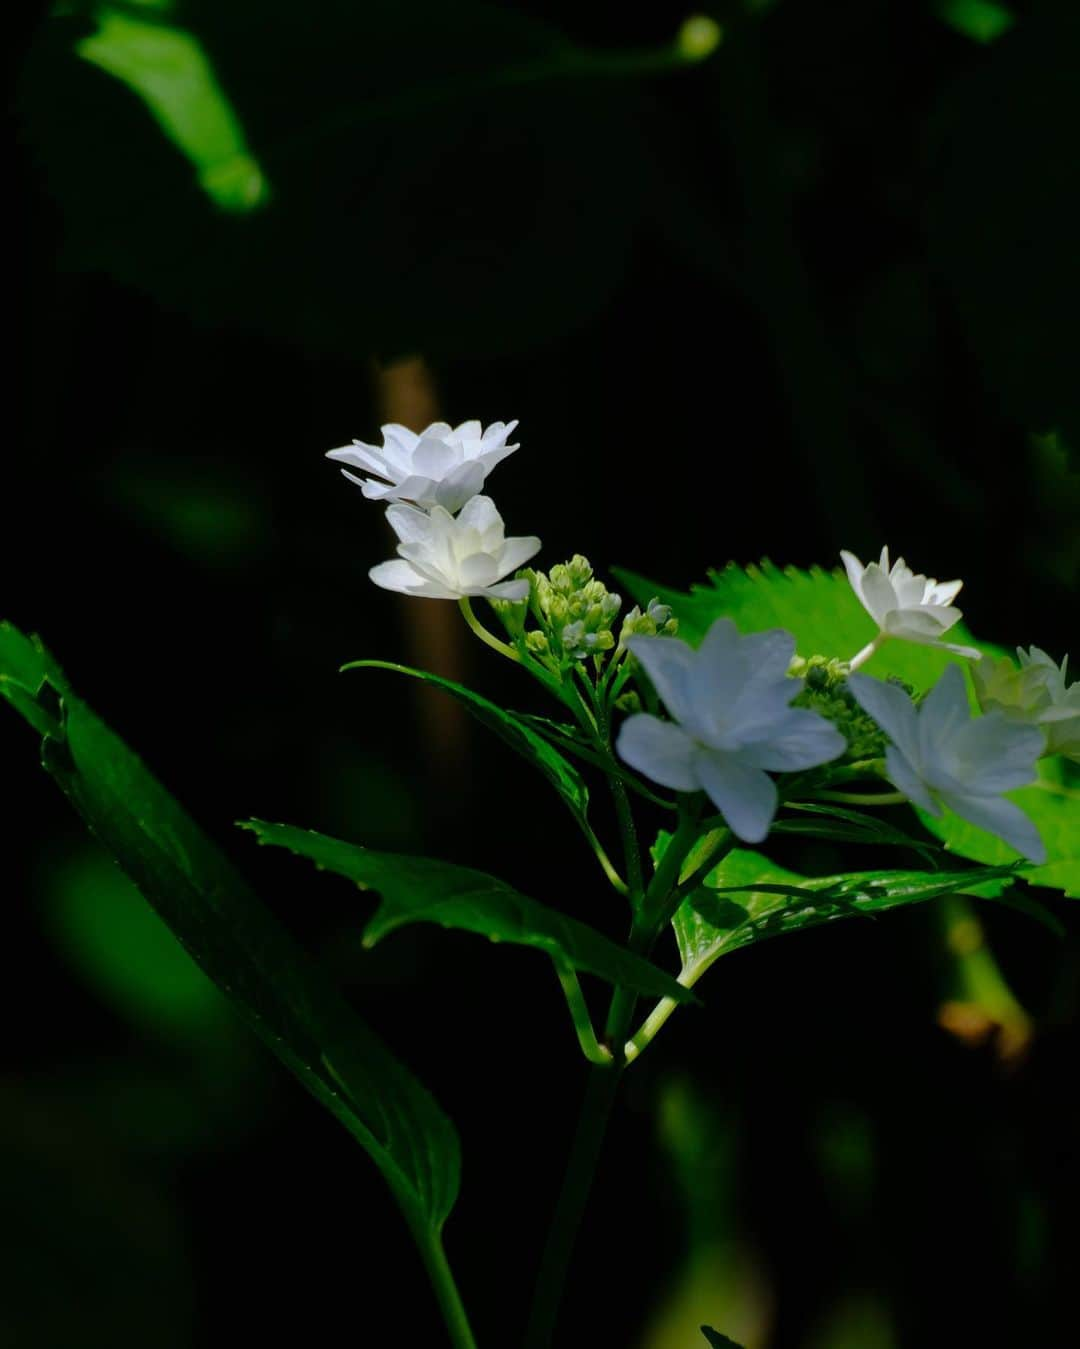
446,1290
592,1125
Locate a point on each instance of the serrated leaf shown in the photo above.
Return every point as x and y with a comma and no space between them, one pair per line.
276,986
718,1341
423,890
748,898
819,607
512,730
1053,806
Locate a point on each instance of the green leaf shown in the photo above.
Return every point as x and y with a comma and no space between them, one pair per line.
277,987
1053,805
818,606
717,1340
849,826
423,890
748,898
521,738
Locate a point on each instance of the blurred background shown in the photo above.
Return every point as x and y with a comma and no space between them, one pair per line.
770,278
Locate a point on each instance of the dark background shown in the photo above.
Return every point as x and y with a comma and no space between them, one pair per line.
818,291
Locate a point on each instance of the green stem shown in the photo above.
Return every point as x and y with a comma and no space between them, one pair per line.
488,638
863,799
577,1182
593,1050
861,657
446,1291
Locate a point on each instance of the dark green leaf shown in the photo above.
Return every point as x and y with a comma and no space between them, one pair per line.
521,738
849,826
237,942
717,1340
1053,805
423,890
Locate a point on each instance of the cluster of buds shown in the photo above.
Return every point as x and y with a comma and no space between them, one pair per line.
826,692
656,621
574,612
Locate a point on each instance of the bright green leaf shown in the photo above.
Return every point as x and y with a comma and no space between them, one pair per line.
818,607
277,987
748,898
423,890
980,20
1053,805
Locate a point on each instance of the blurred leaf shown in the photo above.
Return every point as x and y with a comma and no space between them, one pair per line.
819,607
512,730
1053,805
169,70
748,898
278,988
459,178
980,20
125,952
422,890
717,1340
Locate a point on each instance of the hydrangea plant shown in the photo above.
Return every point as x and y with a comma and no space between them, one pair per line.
765,703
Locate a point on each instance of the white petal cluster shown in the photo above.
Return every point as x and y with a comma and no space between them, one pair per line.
942,756
439,466
451,540
1036,694
904,603
732,724
444,558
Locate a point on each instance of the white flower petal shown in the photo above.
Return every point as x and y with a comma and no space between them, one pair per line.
878,596
403,576
477,571
409,489
905,779
361,456
893,711
434,458
517,551
660,750
509,590
923,624
854,569
1003,819
743,794
459,485
480,514
410,524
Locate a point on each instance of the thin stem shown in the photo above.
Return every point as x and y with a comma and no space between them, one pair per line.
642,1038
616,881
863,799
588,1140
861,657
593,1050
488,638
446,1290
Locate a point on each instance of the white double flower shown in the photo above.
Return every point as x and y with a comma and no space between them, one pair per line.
443,558
452,542
439,466
904,604
1036,694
